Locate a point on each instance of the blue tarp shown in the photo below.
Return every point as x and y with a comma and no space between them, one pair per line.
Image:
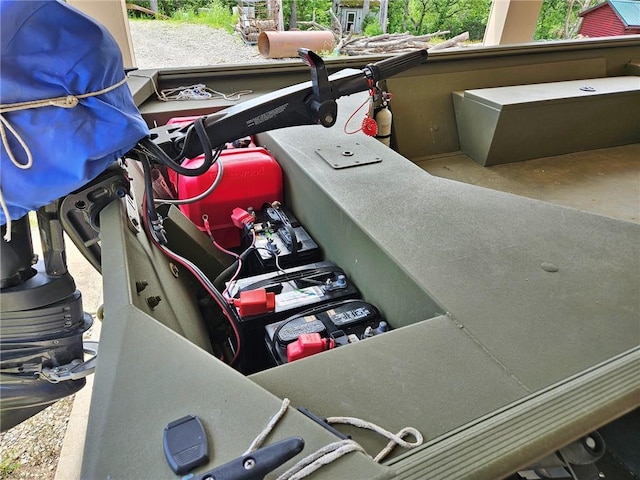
49,49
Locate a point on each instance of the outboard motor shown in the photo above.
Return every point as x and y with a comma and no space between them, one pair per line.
41,328
66,115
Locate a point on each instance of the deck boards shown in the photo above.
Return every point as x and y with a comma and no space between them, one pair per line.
604,181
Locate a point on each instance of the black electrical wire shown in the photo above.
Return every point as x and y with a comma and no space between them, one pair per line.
147,151
282,217
154,219
289,276
225,274
222,302
160,156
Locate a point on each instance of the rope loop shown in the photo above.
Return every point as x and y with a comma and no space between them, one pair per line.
332,452
68,101
395,439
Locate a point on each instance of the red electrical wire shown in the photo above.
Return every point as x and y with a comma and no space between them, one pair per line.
207,227
351,118
195,273
366,123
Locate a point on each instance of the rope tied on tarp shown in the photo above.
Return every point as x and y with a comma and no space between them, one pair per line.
67,101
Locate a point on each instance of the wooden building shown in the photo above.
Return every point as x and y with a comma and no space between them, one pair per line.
613,17
352,13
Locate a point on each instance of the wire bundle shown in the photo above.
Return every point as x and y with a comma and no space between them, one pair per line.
149,153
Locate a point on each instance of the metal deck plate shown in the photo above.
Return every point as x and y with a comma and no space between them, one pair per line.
348,154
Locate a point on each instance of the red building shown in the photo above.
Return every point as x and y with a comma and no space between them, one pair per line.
613,17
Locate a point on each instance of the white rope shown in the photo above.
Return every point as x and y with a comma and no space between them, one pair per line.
5,210
320,458
333,451
394,439
68,101
198,91
268,428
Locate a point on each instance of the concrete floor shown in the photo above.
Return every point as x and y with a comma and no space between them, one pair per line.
605,181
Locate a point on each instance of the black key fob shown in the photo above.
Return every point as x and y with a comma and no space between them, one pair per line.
185,444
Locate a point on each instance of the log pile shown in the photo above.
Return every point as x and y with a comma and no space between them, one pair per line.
391,43
396,43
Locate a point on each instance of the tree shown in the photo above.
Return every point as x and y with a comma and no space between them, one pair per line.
551,20
560,19
384,14
418,14
306,10
424,16
572,20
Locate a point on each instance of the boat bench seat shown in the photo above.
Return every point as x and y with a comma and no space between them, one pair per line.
510,124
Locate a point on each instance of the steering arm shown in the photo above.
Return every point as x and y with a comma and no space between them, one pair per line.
307,103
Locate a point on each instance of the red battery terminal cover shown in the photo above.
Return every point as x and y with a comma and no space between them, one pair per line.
241,218
255,302
308,344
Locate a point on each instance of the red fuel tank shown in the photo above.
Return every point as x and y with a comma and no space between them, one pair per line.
250,178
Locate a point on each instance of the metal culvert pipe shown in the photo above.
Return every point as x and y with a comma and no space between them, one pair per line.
285,44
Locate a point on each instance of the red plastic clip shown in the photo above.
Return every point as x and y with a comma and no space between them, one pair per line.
241,218
255,302
308,344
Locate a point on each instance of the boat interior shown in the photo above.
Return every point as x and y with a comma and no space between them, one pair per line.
498,237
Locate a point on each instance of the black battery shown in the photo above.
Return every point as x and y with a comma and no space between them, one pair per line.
280,242
295,289
344,322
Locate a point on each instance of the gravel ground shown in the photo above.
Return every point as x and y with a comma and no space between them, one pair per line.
169,44
31,450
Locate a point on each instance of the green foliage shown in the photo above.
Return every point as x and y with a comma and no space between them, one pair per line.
396,23
371,25
7,467
560,19
171,7
373,29
215,15
428,16
305,11
414,16
551,20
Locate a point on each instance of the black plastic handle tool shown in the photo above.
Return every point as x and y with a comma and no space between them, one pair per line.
257,464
